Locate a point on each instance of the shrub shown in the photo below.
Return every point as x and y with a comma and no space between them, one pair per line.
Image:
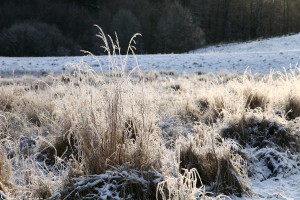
33,38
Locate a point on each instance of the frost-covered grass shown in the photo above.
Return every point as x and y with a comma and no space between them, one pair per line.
149,134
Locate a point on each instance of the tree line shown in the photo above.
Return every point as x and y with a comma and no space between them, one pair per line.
64,27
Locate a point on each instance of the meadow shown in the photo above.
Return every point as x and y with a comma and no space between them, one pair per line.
147,134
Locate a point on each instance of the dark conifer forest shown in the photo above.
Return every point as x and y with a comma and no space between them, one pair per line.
64,27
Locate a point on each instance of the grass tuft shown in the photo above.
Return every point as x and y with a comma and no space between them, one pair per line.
256,100
5,172
260,132
219,163
292,107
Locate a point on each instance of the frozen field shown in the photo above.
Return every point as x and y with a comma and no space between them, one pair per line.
256,56
262,56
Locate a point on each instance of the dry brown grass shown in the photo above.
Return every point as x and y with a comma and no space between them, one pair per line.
94,124
6,99
292,107
5,173
256,99
219,162
261,132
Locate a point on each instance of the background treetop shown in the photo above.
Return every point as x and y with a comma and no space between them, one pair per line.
58,28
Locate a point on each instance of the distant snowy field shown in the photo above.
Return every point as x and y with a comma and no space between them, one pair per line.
263,56
257,56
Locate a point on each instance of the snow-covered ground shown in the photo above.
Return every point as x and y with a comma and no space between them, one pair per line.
256,56
283,186
277,188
